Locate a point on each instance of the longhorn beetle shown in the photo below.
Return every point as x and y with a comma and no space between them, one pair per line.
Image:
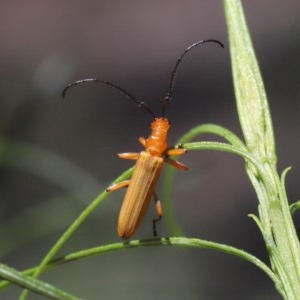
149,163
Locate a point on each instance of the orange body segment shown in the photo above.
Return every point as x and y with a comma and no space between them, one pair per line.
156,143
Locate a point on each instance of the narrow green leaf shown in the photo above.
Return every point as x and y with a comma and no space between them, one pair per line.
214,129
34,285
294,207
251,97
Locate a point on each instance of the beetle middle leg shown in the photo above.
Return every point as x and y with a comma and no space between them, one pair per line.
125,183
118,186
176,164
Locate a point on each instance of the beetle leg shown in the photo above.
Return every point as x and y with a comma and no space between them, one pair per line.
158,209
129,155
118,185
142,141
158,206
176,164
175,151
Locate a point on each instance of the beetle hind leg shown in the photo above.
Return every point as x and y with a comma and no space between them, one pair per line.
154,221
158,209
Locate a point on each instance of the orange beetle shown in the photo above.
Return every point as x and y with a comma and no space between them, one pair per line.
149,163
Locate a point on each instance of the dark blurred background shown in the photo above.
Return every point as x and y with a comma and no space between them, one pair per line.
56,155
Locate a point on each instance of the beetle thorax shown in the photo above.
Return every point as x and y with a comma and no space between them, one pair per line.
156,143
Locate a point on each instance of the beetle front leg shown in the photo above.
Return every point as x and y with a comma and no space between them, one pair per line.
177,150
142,141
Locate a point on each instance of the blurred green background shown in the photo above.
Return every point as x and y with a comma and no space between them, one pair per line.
56,155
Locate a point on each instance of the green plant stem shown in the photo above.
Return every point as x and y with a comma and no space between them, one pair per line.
275,221
172,241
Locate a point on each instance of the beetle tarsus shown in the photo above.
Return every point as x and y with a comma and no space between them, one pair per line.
154,221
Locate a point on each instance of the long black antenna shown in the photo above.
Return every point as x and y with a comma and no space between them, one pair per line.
168,97
139,103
